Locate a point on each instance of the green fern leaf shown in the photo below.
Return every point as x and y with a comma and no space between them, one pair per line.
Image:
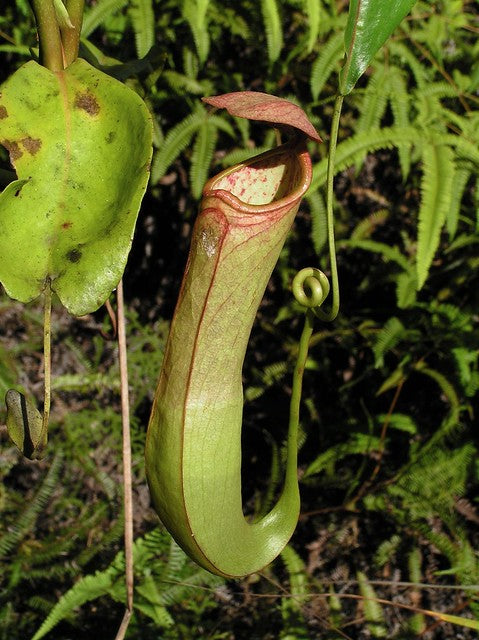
399,421
367,226
374,101
100,12
353,149
357,444
194,11
467,365
405,55
389,253
389,336
176,561
143,21
201,156
436,192
312,12
325,63
406,289
291,608
439,90
87,589
386,550
465,149
181,83
319,224
461,178
272,26
175,142
27,519
157,613
399,100
375,620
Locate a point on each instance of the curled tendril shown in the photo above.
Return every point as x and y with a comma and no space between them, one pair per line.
311,288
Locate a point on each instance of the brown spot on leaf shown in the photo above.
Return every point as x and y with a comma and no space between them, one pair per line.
88,103
3,112
74,255
67,225
32,145
13,149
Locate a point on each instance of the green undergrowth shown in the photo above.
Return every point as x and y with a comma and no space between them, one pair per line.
388,458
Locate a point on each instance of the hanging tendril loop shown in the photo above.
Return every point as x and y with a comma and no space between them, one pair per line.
311,288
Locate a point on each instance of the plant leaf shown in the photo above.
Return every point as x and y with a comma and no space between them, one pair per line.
437,188
143,20
80,142
25,425
272,25
370,23
255,105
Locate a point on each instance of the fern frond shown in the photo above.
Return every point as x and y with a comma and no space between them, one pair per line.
451,423
291,610
176,561
357,444
367,226
389,253
319,224
373,612
405,55
296,568
194,11
434,481
311,8
87,589
157,613
399,421
387,338
201,157
399,100
180,83
467,365
386,550
272,26
143,21
374,101
349,151
436,192
439,90
174,592
269,376
26,520
406,289
329,58
100,12
176,140
461,178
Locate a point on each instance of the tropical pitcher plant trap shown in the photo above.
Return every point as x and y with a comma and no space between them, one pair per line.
193,448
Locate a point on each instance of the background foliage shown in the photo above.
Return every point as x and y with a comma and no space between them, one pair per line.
388,463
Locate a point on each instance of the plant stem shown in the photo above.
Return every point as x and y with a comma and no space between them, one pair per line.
338,103
71,37
295,402
47,358
51,53
127,483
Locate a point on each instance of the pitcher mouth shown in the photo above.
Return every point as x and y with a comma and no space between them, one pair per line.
270,180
